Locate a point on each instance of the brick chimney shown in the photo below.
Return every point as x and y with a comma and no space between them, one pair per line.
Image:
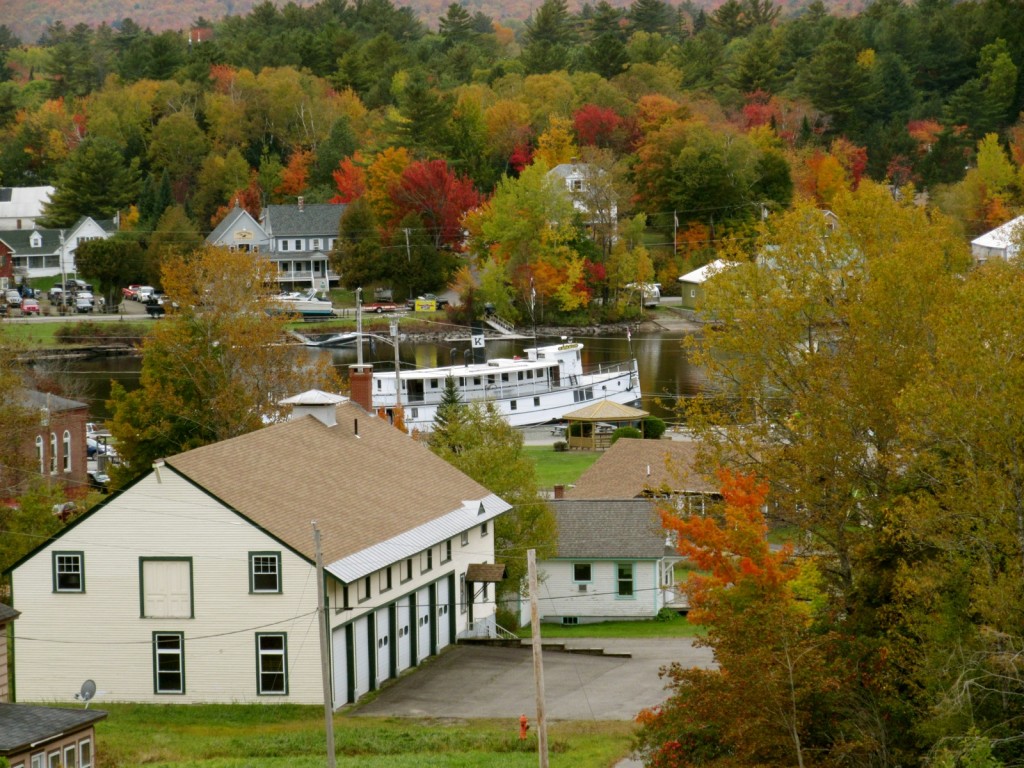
7,615
302,203
360,383
559,492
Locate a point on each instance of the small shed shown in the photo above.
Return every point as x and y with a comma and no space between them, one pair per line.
597,422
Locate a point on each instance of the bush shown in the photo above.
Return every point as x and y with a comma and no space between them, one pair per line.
560,446
653,427
100,333
631,433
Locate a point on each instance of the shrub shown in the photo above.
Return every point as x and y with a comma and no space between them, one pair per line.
100,333
560,446
653,427
631,433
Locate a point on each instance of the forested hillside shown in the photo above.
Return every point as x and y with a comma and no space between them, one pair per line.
29,18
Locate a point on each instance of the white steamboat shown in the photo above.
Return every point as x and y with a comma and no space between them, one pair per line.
541,387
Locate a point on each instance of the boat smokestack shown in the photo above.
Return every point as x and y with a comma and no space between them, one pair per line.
360,382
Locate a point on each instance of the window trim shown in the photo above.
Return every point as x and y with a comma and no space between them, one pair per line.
384,579
156,668
464,539
259,663
407,571
191,587
427,560
66,445
483,529
73,750
41,453
619,581
589,579
252,572
53,453
81,762
361,585
446,553
81,570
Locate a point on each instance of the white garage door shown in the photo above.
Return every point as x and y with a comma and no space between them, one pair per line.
405,624
443,614
339,649
363,650
424,625
384,643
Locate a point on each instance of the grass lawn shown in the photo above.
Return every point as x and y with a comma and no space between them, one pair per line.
678,627
280,735
558,467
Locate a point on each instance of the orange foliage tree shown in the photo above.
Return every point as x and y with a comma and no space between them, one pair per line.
769,700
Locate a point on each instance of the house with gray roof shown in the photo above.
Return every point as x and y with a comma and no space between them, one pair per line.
33,736
39,252
239,231
614,561
198,582
301,237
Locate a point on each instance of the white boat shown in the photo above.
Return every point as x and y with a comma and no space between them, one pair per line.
307,304
546,384
328,339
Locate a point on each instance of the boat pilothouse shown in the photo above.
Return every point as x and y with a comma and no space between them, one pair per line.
545,385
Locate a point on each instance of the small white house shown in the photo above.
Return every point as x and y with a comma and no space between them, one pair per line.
38,252
197,582
693,282
615,561
1003,242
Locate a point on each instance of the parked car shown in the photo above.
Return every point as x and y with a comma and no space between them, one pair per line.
83,304
144,292
29,307
155,308
56,294
129,292
13,298
380,306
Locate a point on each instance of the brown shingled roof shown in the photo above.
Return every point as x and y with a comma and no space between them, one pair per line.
481,572
631,468
360,490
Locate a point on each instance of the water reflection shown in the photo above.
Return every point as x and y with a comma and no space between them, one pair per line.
665,373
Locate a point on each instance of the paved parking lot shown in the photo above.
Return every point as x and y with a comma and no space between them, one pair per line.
470,681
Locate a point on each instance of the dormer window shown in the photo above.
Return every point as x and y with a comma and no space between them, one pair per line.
576,185
36,240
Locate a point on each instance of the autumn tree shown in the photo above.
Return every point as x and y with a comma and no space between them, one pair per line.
479,441
214,367
800,396
772,695
440,198
112,263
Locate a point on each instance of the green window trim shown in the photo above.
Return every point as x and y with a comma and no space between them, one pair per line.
625,585
168,652
269,563
63,564
276,675
191,587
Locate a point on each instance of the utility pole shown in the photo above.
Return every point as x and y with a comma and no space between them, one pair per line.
359,327
398,364
325,666
408,251
538,664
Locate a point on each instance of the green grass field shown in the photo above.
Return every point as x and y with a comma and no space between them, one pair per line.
558,467
280,735
677,627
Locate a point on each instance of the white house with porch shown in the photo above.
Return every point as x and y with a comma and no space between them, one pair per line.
197,582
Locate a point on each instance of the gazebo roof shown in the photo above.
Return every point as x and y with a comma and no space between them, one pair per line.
606,410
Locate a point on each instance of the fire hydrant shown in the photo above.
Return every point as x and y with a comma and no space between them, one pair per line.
524,726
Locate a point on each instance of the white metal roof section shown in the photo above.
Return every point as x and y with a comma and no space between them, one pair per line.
314,397
1001,236
365,562
701,274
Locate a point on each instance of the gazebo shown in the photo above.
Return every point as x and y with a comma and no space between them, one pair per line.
597,422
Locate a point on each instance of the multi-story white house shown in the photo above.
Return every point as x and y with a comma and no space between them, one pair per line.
39,252
198,583
297,238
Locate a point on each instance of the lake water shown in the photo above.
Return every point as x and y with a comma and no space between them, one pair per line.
665,374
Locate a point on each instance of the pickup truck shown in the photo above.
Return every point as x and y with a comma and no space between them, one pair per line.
380,307
439,303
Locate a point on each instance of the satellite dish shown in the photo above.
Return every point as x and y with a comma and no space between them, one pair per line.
87,692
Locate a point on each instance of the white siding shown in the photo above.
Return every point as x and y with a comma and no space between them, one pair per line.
562,596
99,633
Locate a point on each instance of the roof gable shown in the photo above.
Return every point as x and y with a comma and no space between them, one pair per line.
624,528
362,488
632,468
